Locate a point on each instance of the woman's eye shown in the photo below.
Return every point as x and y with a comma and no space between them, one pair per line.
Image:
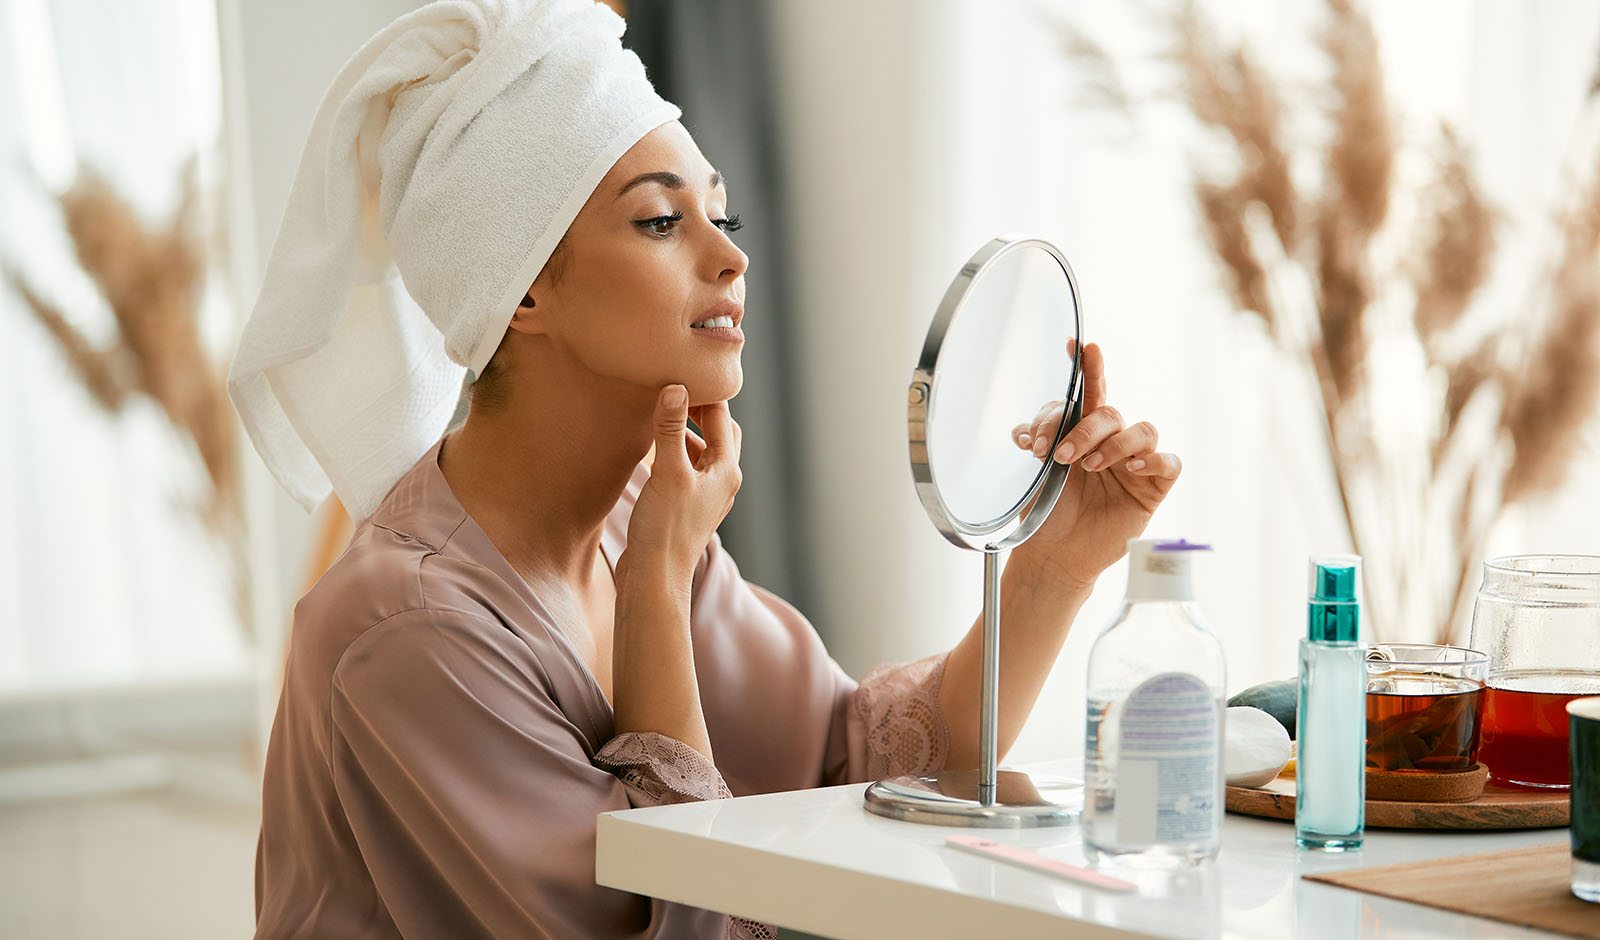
661,224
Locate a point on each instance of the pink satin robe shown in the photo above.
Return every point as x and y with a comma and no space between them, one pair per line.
441,750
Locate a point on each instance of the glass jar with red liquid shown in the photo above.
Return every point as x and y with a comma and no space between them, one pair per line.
1538,618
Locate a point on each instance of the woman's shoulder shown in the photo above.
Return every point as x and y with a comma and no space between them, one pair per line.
387,579
378,574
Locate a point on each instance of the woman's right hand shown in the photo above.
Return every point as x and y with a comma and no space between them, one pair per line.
692,483
690,490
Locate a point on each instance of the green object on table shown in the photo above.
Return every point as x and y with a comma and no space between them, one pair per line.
1585,793
1279,699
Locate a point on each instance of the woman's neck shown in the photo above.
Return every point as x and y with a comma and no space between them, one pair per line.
541,472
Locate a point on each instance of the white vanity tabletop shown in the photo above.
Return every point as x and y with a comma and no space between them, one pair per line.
816,861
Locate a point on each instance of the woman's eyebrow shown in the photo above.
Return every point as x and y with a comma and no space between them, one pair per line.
669,180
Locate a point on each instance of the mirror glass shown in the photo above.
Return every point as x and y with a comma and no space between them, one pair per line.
1005,355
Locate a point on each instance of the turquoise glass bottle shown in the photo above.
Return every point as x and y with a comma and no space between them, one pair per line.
1331,724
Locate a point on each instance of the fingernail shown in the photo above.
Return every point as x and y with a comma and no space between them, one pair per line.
1040,447
676,395
1093,462
1026,440
1136,464
1066,452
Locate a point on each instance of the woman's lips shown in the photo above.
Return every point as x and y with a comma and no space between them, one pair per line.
724,334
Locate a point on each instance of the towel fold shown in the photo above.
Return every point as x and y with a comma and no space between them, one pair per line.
445,162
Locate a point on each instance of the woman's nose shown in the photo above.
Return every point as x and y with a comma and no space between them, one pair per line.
733,260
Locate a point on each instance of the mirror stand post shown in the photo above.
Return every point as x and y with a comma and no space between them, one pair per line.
989,715
985,798
1025,316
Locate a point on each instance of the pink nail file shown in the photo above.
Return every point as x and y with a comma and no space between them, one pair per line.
1010,853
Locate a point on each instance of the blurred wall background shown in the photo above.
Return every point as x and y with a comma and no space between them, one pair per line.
911,133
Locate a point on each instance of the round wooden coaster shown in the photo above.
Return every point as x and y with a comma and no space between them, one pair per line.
1457,787
1496,808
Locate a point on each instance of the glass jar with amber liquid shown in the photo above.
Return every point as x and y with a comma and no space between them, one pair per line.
1538,619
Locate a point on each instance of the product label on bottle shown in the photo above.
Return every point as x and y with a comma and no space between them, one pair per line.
1169,743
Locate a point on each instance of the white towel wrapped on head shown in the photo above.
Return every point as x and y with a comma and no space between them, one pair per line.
444,164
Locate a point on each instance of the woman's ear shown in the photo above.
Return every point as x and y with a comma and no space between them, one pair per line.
528,318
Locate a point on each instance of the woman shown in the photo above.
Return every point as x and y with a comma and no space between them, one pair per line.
535,623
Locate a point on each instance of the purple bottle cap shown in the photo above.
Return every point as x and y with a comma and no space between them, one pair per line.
1181,545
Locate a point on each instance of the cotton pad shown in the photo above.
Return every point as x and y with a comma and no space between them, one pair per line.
1255,748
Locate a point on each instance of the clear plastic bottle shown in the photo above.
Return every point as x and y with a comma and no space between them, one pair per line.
1153,743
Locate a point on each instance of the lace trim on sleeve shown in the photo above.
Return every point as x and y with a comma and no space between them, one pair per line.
898,707
661,769
741,929
665,770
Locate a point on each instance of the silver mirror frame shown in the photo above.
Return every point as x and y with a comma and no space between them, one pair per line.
965,797
1026,515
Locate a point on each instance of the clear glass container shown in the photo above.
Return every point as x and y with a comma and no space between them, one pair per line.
1424,707
1538,619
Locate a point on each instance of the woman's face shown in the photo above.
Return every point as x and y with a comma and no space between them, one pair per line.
646,261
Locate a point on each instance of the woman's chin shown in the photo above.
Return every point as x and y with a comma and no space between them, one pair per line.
715,388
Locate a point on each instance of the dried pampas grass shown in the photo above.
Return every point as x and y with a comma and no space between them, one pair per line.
151,280
1458,245
1101,81
1355,198
1506,431
1222,214
1551,397
1228,91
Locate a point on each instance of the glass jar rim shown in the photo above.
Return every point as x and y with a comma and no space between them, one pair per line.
1468,657
1577,565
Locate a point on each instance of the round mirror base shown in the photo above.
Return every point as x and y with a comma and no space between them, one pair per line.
951,799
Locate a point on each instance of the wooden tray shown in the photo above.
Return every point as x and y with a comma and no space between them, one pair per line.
1497,808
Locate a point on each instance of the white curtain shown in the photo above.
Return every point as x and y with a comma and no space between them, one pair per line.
105,576
936,125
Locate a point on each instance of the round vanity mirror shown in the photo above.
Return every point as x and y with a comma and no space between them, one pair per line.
1002,345
1002,348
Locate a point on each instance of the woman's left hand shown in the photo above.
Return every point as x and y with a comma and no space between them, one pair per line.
1118,480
